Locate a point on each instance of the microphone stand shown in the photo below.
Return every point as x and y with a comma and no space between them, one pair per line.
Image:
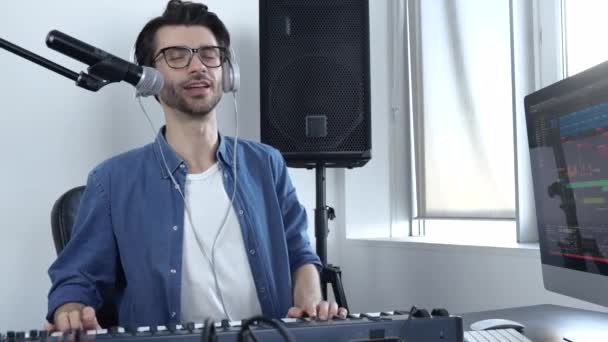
330,274
99,75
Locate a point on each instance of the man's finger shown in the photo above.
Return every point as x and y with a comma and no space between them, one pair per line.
75,322
294,312
323,310
49,327
89,319
342,312
62,322
333,310
310,309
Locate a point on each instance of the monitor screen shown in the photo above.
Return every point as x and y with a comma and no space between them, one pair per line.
567,126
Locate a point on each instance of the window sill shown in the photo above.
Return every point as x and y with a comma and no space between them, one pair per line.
441,245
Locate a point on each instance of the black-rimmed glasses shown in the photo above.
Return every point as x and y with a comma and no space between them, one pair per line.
179,57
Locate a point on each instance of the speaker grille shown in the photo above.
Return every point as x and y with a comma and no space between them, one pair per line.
315,62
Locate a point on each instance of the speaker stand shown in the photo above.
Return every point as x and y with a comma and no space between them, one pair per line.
330,274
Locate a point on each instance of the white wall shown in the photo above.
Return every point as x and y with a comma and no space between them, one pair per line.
54,133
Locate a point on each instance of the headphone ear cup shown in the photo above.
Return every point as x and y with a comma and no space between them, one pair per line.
231,77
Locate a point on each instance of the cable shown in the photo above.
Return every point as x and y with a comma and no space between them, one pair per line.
246,334
187,207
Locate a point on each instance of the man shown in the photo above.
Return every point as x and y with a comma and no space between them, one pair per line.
159,225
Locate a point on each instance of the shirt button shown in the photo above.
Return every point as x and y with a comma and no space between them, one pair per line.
262,290
225,174
252,251
176,186
174,228
241,212
173,271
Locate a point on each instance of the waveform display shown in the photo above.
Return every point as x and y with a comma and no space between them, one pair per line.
587,119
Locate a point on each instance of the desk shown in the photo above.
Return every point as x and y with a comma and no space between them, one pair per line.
550,323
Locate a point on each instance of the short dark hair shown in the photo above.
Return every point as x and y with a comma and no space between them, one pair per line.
178,12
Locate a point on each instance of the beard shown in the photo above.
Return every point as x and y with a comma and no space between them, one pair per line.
195,107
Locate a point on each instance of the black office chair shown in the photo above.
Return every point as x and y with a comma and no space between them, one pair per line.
63,216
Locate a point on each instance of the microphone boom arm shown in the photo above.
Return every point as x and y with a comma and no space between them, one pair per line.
90,81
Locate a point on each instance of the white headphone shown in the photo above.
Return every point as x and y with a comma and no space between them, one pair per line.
231,76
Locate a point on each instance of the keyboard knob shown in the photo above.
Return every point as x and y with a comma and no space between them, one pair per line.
440,312
225,324
190,326
171,327
33,334
421,313
20,336
43,335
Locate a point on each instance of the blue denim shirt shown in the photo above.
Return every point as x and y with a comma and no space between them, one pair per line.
128,233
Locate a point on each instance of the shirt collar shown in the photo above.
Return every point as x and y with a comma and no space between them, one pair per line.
174,161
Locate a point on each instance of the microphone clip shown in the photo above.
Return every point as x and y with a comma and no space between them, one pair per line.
101,74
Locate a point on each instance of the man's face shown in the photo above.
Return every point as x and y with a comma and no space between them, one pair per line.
194,90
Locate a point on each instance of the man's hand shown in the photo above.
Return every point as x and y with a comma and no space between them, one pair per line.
73,316
307,296
323,310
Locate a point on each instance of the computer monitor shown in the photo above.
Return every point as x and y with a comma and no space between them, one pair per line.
567,125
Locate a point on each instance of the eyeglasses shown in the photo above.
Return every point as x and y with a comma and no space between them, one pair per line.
179,57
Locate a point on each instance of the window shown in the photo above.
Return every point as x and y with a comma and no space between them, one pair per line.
585,34
447,162
464,120
466,66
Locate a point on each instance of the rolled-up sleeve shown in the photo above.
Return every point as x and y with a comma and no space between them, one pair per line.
294,218
88,263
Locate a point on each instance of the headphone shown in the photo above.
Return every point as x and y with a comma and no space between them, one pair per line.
231,76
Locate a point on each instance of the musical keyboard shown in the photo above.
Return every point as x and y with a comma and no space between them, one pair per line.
390,326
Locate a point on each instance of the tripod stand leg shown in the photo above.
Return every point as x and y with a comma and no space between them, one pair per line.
333,275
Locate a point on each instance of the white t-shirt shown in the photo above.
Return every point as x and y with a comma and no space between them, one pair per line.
208,203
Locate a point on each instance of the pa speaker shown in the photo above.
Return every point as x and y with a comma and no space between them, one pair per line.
314,81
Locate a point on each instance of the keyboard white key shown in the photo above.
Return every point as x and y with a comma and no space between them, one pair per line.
235,323
498,335
97,332
143,329
161,328
289,320
373,314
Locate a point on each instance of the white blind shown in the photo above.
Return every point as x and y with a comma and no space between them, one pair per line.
465,128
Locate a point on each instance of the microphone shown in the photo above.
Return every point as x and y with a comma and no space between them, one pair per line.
106,67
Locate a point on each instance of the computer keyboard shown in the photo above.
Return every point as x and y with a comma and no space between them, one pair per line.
498,335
